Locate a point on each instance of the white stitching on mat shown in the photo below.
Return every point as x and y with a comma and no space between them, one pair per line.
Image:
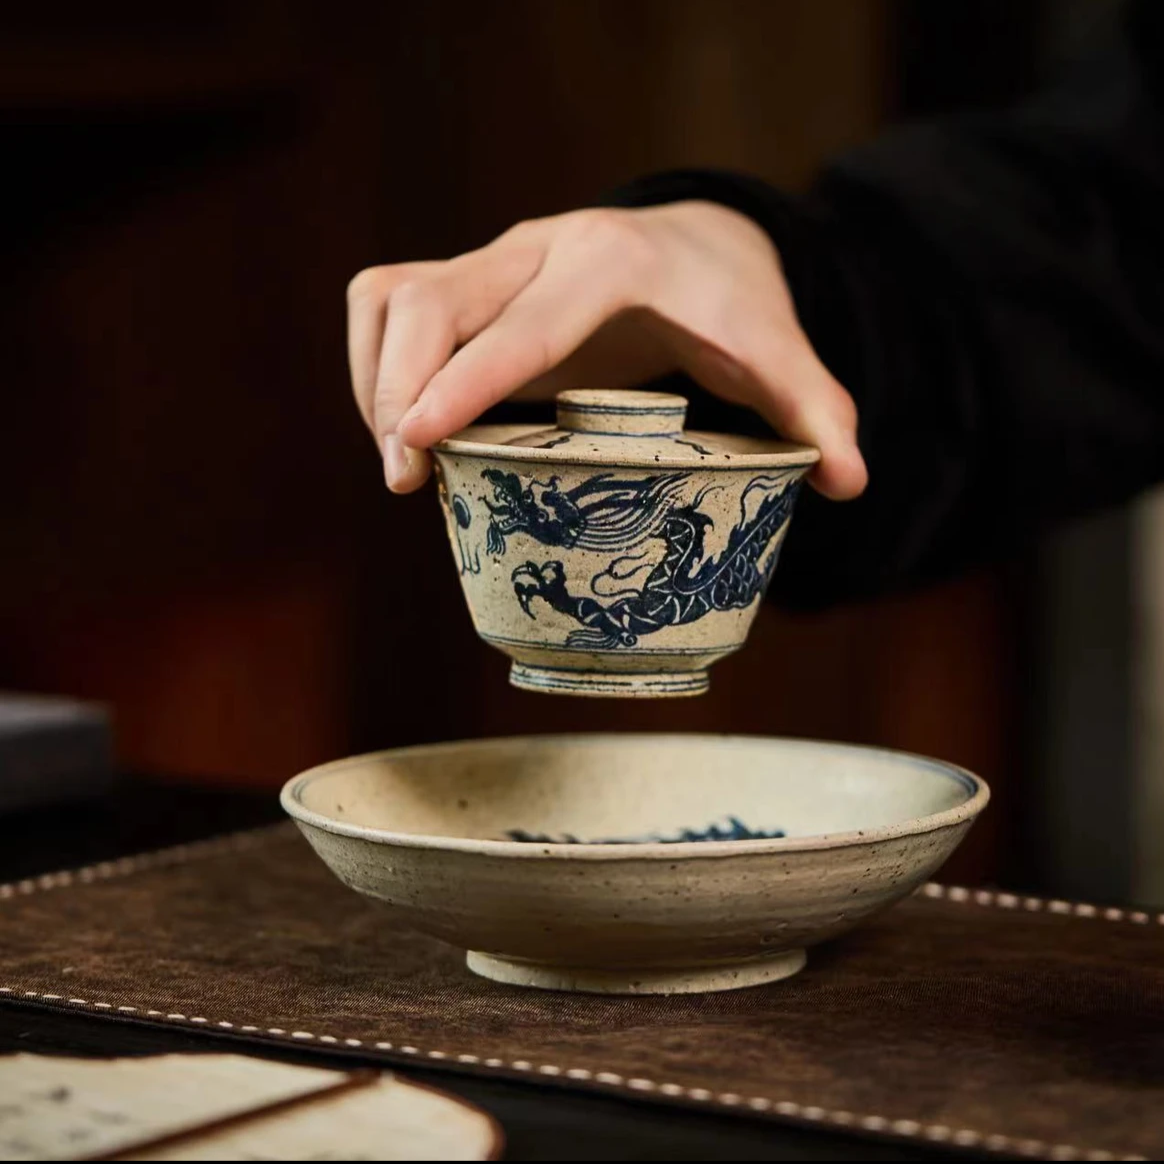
158,859
902,1128
1083,909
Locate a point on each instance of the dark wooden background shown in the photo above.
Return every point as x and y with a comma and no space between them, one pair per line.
194,528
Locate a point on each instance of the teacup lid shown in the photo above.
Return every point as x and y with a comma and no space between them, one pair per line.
626,428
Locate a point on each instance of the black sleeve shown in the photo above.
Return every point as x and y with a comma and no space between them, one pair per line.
991,291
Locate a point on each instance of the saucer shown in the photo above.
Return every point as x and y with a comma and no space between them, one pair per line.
622,863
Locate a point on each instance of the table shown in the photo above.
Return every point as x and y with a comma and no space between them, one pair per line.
540,1123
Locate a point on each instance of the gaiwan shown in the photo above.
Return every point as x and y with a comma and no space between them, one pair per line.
616,553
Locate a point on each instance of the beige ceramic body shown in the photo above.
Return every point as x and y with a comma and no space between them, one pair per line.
634,918
596,512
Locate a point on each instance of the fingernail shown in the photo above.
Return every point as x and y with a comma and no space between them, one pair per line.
395,460
412,415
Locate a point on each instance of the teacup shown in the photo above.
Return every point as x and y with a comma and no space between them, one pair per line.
616,554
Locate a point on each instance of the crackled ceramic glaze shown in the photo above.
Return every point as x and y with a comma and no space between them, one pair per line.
428,831
616,554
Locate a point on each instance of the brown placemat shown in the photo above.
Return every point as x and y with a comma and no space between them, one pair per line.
986,1021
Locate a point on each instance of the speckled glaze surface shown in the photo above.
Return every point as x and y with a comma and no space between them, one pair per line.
425,829
616,553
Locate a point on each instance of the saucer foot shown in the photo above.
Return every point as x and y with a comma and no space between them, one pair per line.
624,684
678,980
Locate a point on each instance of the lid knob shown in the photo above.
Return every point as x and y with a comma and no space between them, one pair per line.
621,413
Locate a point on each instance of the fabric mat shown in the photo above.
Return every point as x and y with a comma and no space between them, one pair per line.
978,1020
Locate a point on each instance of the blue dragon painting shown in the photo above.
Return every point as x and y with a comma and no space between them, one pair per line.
607,512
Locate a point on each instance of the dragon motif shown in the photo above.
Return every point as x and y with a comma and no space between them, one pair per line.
609,513
603,513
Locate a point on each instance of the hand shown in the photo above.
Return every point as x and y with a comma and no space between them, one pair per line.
594,298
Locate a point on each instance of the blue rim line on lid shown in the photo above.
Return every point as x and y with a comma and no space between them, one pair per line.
625,409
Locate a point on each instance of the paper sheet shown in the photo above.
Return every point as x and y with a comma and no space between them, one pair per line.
71,1109
390,1120
61,1109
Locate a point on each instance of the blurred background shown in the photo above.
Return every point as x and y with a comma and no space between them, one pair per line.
195,530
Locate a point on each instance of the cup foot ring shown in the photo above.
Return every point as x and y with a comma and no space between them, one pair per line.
621,684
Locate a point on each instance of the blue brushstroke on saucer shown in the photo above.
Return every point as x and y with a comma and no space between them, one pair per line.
733,829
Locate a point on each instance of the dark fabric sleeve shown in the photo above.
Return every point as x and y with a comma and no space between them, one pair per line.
991,290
